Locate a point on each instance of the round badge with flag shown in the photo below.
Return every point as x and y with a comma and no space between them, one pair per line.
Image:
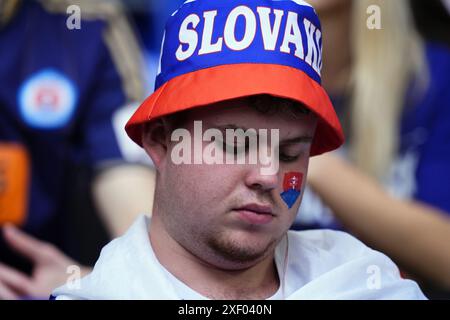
220,50
47,100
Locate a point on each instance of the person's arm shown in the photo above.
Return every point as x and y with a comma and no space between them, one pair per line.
122,184
413,234
123,192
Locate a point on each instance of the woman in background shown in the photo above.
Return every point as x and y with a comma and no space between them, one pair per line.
392,92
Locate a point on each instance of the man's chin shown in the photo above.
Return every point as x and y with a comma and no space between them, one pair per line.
239,252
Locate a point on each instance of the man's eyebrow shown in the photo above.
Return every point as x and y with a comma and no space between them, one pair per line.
301,139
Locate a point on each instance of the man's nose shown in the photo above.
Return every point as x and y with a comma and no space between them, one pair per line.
256,180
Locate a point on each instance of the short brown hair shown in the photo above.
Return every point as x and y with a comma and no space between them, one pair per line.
262,103
271,105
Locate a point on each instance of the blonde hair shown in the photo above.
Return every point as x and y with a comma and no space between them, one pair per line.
384,62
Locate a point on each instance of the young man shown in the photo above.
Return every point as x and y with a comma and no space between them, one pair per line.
219,226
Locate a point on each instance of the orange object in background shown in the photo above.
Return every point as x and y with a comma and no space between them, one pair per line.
14,183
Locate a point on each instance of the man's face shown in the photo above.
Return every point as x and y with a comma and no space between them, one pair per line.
232,215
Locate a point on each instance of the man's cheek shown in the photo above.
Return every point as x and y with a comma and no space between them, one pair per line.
292,186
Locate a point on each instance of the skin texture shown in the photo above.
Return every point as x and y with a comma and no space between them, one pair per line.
196,232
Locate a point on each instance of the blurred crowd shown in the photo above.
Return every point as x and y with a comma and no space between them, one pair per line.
70,179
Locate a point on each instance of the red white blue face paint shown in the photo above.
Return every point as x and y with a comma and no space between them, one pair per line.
292,184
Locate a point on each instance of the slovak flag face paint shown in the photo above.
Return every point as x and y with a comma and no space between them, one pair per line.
292,184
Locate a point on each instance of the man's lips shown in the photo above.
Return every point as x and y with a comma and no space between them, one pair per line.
255,213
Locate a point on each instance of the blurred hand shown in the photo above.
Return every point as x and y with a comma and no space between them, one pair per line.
49,267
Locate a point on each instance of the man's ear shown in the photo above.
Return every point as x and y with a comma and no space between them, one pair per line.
155,140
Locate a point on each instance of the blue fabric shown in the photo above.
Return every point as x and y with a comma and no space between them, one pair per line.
255,53
431,115
37,47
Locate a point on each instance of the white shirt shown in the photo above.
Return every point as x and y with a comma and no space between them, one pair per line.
316,264
186,293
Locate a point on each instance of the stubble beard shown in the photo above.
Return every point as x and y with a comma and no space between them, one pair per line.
237,253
